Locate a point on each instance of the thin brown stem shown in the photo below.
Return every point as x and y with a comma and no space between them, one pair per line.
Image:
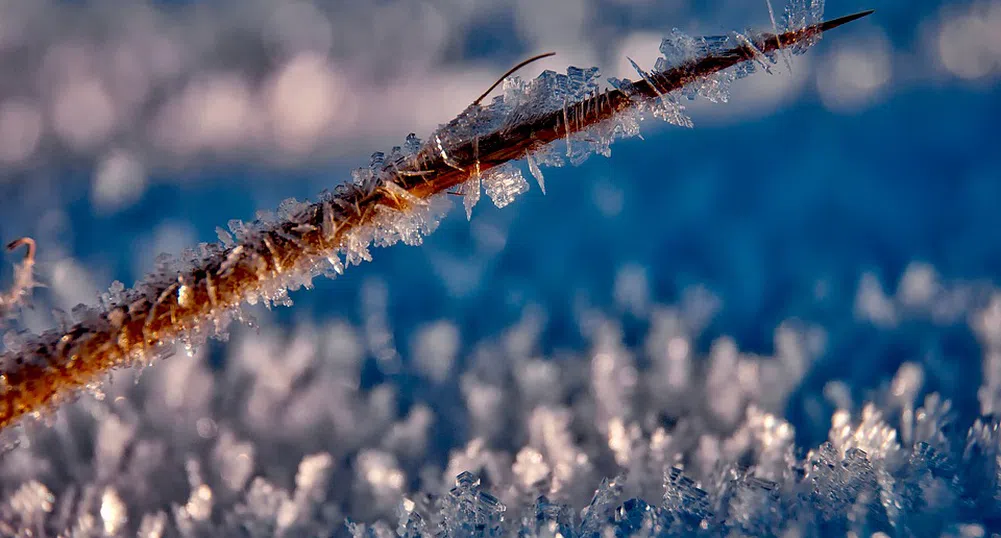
188,302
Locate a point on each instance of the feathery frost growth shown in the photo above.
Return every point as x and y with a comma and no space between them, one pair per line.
647,439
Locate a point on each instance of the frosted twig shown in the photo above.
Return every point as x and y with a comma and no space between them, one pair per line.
194,300
775,28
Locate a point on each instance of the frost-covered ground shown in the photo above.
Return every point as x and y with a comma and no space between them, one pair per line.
291,430
805,339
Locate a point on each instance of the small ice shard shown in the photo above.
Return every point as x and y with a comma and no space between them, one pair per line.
471,194
637,518
759,57
336,265
582,82
413,145
503,184
775,30
356,243
798,15
670,110
678,48
468,511
411,524
533,167
238,228
552,519
600,512
684,499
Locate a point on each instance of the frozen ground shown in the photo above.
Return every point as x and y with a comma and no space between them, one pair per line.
805,340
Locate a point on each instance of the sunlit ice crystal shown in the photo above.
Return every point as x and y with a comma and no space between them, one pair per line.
470,512
846,490
412,524
503,184
684,500
471,191
596,139
667,106
533,167
745,479
546,519
600,512
547,93
800,14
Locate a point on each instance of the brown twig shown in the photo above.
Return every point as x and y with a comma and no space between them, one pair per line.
190,301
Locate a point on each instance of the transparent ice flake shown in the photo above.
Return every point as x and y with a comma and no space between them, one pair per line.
600,512
356,247
224,237
582,83
412,144
798,15
684,499
533,167
552,519
503,184
637,518
471,190
411,523
239,229
668,108
468,511
290,208
676,48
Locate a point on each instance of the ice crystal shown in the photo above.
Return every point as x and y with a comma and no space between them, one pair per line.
290,445
802,13
503,184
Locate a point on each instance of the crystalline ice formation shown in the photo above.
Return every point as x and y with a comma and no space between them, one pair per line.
503,184
533,167
802,13
285,441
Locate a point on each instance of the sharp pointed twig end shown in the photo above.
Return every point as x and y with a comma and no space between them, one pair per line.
834,23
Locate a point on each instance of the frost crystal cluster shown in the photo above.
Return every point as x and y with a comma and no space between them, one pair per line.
498,438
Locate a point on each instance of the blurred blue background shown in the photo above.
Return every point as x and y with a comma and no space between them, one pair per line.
130,129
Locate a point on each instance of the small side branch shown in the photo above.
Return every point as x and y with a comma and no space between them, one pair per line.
24,277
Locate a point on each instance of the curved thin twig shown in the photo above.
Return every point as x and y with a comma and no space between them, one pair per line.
510,72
